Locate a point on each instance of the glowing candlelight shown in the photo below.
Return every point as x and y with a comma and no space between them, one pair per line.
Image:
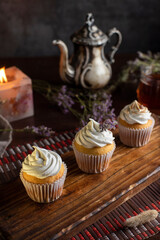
3,77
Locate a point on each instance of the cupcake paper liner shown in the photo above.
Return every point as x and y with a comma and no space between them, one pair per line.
45,193
135,137
93,163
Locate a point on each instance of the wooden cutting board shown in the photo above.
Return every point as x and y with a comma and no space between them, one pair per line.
83,196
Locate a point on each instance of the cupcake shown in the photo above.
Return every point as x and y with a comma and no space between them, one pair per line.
135,125
43,174
93,148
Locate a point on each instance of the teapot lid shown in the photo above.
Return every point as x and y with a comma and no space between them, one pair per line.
89,34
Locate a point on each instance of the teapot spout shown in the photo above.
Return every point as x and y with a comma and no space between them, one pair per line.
66,70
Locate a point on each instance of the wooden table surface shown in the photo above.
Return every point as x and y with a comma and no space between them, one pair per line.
18,214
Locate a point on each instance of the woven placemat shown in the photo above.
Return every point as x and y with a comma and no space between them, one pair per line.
11,162
110,226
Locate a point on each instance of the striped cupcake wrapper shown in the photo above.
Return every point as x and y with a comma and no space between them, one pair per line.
93,163
45,193
135,137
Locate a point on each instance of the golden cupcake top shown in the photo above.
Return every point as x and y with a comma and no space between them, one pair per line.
135,113
42,163
92,135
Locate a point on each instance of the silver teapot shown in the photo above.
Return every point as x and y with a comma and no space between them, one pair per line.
88,66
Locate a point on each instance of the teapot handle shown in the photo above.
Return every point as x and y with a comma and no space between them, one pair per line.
116,46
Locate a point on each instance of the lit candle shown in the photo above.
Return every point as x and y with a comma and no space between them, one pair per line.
16,97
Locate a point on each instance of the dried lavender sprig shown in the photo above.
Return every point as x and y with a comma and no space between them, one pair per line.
64,99
108,124
133,67
42,130
83,103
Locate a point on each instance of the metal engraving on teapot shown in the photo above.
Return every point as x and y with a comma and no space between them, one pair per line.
88,66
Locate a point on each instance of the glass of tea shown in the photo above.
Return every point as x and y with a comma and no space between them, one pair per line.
148,91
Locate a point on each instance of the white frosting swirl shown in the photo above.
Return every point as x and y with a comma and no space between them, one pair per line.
135,113
91,136
42,163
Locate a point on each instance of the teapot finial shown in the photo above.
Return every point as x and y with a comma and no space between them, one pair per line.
89,19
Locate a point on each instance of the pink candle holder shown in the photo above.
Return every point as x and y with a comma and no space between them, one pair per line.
16,96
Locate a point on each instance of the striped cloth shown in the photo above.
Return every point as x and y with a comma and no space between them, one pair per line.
110,227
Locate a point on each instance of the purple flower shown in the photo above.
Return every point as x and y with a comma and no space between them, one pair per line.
42,130
65,99
108,124
64,89
89,104
103,113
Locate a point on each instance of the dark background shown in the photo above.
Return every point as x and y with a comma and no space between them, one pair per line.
27,27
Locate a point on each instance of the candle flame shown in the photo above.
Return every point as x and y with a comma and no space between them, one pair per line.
3,78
